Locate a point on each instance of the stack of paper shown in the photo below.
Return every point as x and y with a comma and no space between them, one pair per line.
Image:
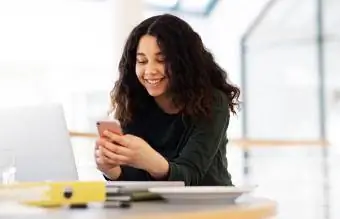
137,190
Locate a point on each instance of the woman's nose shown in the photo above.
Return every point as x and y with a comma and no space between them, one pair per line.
150,69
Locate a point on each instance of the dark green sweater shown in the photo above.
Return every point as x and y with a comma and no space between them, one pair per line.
195,150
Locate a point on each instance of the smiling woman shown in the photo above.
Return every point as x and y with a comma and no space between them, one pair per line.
150,67
173,102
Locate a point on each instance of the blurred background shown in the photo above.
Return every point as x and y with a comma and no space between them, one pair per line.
282,53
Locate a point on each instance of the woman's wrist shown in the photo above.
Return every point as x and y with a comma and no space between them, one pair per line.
159,168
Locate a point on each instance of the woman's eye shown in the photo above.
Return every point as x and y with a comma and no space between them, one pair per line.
161,59
141,61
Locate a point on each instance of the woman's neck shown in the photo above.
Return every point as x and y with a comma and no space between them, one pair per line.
166,104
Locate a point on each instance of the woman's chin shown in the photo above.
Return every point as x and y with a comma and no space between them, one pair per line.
155,92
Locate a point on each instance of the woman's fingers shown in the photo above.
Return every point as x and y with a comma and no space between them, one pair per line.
98,157
97,144
104,157
113,158
108,152
117,149
119,139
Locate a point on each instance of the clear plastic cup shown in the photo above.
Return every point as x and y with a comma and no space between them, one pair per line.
7,166
11,192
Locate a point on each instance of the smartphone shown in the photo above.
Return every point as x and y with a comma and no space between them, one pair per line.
112,126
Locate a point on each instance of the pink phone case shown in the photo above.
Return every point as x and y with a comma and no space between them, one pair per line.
111,126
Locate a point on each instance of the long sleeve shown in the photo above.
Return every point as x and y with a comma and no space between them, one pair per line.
202,146
195,149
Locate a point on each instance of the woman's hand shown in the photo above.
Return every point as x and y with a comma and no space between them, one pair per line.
133,151
104,164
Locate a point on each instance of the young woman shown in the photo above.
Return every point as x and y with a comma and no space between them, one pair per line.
173,102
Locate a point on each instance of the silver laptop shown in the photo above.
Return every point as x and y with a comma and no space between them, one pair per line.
40,141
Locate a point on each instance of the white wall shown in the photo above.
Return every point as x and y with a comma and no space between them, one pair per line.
65,51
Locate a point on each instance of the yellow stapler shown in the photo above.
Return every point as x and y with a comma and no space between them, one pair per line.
54,194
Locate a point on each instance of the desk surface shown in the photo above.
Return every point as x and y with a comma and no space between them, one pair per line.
248,209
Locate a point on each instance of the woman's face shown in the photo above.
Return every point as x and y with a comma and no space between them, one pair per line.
150,66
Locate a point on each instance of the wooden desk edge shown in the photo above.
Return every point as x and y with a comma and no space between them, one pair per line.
261,211
244,143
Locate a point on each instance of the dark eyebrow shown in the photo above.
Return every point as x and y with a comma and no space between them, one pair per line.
142,54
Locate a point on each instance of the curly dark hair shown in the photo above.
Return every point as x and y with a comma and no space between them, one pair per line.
190,67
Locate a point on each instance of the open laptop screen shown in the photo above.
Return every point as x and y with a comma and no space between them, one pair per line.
40,141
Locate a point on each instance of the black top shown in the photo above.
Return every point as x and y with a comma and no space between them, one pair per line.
195,150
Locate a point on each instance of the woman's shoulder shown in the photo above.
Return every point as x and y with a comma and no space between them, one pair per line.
219,100
218,112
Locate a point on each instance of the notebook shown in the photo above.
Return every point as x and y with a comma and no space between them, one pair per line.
138,190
